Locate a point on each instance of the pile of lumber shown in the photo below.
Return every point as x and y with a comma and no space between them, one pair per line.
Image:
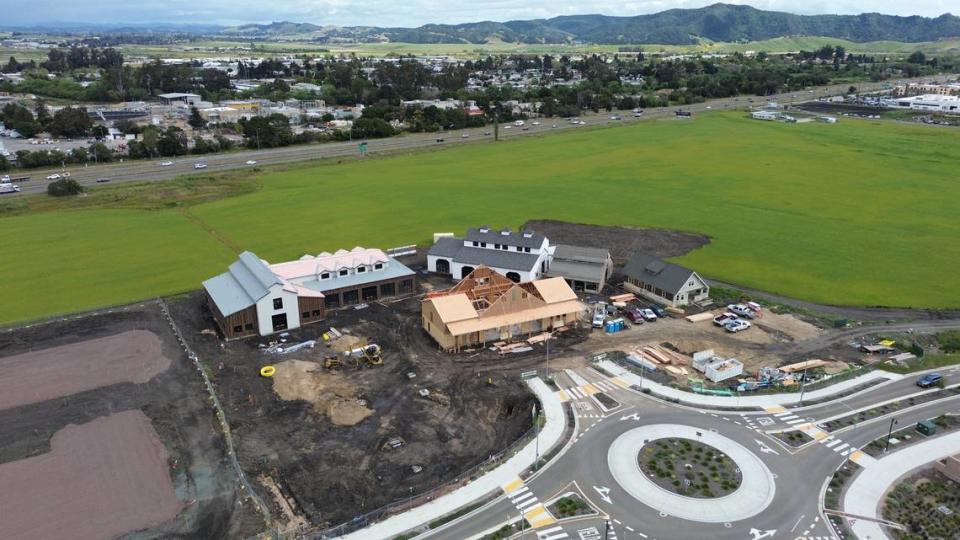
539,338
671,361
503,347
629,297
800,366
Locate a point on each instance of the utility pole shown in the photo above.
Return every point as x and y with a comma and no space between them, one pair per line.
642,370
606,530
893,422
803,384
496,123
549,337
536,426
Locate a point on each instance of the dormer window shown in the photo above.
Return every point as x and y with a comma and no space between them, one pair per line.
361,269
378,266
344,272
519,248
484,230
483,244
526,250
325,275
528,234
475,244
496,246
505,232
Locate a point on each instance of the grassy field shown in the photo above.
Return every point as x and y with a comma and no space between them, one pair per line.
854,213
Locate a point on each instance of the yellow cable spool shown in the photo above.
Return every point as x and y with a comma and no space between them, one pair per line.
267,371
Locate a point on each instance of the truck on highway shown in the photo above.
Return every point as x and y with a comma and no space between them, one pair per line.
7,179
9,188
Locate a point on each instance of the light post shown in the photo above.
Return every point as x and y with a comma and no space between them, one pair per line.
536,452
549,336
893,422
606,530
642,370
496,123
803,384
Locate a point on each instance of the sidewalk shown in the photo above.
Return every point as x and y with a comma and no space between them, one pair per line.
760,401
550,435
865,494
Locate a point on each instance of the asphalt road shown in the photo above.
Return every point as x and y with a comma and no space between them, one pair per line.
151,170
800,475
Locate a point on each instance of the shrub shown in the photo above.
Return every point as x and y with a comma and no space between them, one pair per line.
64,187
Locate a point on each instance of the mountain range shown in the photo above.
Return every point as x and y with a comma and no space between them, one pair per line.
717,22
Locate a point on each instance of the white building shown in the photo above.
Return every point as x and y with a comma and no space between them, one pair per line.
764,115
930,102
520,256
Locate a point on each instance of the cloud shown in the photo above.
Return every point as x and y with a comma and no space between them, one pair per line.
405,13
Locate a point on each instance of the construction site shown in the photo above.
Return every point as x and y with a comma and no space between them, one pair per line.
336,420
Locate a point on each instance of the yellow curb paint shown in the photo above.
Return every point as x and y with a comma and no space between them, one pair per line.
513,485
620,382
547,520
820,435
563,396
589,389
775,409
856,455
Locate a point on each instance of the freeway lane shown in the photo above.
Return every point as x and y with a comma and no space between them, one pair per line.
150,170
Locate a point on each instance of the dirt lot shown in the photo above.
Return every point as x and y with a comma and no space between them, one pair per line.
623,242
321,435
174,400
101,479
37,376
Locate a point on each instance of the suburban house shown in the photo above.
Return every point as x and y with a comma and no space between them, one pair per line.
520,256
257,298
664,282
488,307
585,269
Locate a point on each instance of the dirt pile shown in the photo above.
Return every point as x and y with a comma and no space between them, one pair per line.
329,392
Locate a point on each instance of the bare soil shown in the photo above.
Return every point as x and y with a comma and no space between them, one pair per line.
37,376
101,479
175,402
321,435
623,242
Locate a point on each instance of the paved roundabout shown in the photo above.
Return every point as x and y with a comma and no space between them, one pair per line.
756,491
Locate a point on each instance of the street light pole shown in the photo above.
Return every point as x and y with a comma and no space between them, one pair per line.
803,384
536,452
606,530
642,370
893,421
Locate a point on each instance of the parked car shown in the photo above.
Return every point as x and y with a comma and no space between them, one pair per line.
166,163
53,176
635,316
200,165
928,380
737,325
598,318
742,310
648,314
724,318
658,310
251,162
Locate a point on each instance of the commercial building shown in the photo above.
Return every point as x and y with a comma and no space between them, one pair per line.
667,283
585,269
179,98
520,256
930,102
486,307
764,115
256,298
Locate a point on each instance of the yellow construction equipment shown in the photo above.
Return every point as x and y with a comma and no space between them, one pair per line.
332,362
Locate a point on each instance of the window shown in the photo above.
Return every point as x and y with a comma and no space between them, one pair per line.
378,266
305,315
237,329
278,303
527,250
325,275
505,247
475,244
361,269
248,326
344,272
316,313
496,246
483,244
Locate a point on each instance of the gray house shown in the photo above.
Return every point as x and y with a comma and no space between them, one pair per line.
586,269
664,282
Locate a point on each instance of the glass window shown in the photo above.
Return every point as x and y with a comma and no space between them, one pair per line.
344,272
237,329
325,275
378,266
306,314
278,303
361,269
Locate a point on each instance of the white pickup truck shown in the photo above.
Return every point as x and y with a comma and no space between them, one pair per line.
9,188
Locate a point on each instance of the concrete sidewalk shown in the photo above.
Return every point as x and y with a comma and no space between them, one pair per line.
550,436
765,401
865,494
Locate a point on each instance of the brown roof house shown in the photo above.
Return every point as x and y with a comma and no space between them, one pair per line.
487,307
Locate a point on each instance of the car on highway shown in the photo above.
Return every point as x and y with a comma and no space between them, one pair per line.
102,180
648,315
166,163
507,127
724,318
486,133
928,380
200,165
634,314
616,117
535,123
54,176
251,162
5,179
465,136
737,325
554,125
439,139
9,188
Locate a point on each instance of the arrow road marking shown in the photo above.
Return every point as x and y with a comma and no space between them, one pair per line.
604,493
766,450
633,416
758,534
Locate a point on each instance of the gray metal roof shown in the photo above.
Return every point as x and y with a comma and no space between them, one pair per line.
580,271
392,270
581,254
510,260
446,247
248,280
493,236
660,274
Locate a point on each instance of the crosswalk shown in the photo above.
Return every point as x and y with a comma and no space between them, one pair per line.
553,533
788,418
526,502
833,443
587,389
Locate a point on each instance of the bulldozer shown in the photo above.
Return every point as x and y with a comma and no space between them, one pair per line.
332,362
364,356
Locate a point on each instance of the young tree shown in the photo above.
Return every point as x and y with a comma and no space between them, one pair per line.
71,122
100,132
196,120
64,187
42,113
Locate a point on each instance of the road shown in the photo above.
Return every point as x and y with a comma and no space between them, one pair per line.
799,475
151,170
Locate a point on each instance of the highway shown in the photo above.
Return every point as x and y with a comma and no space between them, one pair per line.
152,170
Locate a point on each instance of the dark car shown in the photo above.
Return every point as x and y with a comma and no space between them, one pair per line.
928,380
658,310
635,316
102,180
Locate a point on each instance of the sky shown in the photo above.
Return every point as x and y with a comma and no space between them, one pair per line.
403,12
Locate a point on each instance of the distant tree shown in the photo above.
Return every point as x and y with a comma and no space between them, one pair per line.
101,153
64,187
18,118
71,122
100,132
196,120
127,126
42,113
5,164
917,58
173,142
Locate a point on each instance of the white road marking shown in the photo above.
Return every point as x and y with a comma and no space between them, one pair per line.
758,534
792,422
766,449
832,443
841,447
604,493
